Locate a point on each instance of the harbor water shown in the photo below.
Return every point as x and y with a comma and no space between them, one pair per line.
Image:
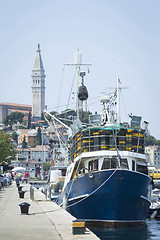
149,232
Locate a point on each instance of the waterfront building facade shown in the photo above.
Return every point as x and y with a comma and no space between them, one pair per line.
153,154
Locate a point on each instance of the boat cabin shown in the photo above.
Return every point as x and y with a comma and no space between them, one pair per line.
99,149
113,138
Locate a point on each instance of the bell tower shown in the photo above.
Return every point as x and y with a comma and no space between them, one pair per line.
38,87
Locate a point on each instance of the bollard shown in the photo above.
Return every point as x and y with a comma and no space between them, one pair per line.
24,207
17,183
19,188
78,227
50,194
32,193
45,192
21,194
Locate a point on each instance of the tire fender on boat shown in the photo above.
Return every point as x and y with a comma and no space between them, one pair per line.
153,215
65,201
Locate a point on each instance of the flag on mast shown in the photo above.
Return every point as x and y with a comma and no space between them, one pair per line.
119,81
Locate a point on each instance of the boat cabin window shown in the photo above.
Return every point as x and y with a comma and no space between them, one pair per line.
93,165
142,169
124,163
109,163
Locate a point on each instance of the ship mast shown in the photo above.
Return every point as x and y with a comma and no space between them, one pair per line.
78,63
118,100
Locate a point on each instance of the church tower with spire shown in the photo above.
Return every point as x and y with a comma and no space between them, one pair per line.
38,87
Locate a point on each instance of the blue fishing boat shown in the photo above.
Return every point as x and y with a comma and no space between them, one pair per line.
107,179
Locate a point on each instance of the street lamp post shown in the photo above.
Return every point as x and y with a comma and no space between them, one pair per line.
42,156
43,151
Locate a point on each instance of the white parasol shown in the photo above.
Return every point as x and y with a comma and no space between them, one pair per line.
18,169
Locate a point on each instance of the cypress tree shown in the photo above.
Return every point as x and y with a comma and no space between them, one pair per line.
29,120
39,137
24,143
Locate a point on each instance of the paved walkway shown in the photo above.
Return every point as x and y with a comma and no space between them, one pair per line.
45,220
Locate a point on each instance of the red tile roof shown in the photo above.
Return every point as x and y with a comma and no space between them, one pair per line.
15,104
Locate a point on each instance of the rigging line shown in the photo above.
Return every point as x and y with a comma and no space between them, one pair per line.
69,120
71,89
124,104
60,137
94,190
72,103
60,87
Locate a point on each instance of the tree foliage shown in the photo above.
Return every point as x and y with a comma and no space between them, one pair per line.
7,152
85,116
46,166
15,136
151,140
24,143
29,120
52,113
39,137
67,114
13,118
42,117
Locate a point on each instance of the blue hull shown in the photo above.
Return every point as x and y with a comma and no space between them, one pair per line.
110,195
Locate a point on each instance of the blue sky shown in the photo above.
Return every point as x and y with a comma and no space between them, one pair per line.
119,37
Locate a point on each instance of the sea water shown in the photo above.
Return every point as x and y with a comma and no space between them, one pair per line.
151,231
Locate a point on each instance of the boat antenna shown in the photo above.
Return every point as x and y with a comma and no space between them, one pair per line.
118,89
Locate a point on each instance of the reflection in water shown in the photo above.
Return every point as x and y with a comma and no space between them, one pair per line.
149,232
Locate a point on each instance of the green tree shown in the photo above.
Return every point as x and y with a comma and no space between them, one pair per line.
39,137
24,143
150,140
85,116
52,113
46,166
14,117
15,136
29,120
7,152
22,127
158,142
67,114
42,117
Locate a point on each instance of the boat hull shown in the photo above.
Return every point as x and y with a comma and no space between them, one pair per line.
109,196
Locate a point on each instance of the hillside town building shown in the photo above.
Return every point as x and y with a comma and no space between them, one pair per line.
8,108
30,137
153,154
